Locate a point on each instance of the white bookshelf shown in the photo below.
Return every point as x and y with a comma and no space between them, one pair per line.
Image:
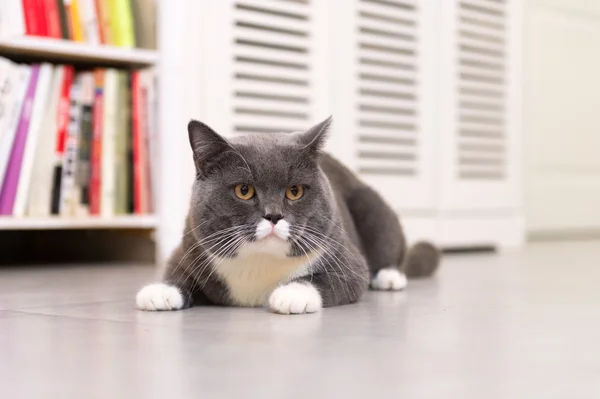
179,66
40,49
59,223
44,48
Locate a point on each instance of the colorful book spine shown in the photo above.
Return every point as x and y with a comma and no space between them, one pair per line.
68,190
104,22
15,20
109,132
83,175
75,25
40,103
89,21
52,18
144,17
151,136
137,142
64,19
9,188
121,167
122,23
129,145
34,17
96,150
61,136
20,78
40,192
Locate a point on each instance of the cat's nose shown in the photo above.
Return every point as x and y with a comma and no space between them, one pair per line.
273,217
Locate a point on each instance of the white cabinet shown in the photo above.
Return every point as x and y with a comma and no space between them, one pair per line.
425,98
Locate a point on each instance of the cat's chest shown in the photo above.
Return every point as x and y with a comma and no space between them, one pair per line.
252,276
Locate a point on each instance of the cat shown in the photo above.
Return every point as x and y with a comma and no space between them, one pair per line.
274,221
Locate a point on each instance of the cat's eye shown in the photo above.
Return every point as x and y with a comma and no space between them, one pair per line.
295,192
244,191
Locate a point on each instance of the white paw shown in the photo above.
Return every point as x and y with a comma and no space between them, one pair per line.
295,298
159,297
389,279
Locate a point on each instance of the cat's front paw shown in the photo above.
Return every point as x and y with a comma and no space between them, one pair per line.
159,297
389,279
295,298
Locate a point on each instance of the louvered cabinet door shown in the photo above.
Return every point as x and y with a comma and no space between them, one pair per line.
265,66
381,78
479,104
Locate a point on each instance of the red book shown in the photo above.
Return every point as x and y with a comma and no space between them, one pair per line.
52,18
31,14
138,178
96,155
63,109
41,17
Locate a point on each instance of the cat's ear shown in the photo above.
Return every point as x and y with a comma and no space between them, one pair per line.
314,138
206,145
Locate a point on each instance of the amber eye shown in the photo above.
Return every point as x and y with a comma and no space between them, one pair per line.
295,192
244,191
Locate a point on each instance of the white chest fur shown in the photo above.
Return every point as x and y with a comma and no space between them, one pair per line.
258,269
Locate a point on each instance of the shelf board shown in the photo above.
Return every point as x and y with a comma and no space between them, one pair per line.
49,49
57,223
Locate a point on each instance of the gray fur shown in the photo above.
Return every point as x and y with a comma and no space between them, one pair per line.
362,232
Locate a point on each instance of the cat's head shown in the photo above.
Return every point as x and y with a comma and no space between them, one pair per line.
260,193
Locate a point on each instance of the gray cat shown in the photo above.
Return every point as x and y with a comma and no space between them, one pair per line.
276,222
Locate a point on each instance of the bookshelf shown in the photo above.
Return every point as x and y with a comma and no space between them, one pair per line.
178,65
59,51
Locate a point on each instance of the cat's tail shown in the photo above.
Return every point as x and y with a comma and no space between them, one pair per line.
422,260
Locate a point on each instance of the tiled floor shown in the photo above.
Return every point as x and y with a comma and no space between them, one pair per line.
520,325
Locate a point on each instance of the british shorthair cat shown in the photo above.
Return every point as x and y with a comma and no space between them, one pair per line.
276,222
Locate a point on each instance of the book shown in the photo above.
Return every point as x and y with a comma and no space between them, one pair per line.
109,127
40,191
151,137
136,123
8,78
89,21
142,82
144,20
52,18
11,179
17,89
74,18
40,101
64,20
96,150
6,68
104,21
83,172
68,189
123,33
129,145
62,123
13,20
34,17
121,165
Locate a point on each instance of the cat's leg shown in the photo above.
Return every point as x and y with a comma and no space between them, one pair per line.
337,279
174,292
381,237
